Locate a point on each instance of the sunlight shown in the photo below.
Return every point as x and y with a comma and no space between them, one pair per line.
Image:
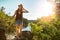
45,9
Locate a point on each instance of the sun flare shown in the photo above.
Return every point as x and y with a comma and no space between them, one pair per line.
45,9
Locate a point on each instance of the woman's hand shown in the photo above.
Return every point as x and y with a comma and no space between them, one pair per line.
25,11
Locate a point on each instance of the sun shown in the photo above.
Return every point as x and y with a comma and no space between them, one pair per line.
45,9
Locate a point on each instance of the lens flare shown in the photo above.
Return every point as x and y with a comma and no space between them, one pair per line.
45,9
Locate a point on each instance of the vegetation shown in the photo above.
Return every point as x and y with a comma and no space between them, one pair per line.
4,21
44,28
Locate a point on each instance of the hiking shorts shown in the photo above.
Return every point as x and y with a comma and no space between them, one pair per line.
18,22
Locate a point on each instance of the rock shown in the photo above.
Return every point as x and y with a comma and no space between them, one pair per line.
26,35
2,34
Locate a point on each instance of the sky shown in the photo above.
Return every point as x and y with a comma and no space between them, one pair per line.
36,8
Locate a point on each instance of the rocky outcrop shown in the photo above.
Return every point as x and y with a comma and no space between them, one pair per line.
26,35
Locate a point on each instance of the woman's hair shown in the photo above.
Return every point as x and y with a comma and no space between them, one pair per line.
21,7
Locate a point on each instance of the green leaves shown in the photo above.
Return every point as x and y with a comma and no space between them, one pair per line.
47,28
4,18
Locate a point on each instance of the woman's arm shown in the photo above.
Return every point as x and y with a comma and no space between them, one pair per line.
14,14
25,11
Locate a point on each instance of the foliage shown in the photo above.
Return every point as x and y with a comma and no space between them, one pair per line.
4,18
46,28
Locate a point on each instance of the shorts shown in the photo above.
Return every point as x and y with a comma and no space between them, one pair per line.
18,22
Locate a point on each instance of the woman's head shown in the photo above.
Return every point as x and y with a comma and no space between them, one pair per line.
20,7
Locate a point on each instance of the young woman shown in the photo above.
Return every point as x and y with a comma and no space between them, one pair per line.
19,19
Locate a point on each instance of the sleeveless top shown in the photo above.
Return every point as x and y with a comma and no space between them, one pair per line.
19,15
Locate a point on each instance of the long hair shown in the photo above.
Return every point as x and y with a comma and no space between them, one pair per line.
21,8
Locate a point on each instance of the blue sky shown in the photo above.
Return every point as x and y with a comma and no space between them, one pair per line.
31,5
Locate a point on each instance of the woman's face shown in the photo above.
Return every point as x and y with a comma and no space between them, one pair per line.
20,7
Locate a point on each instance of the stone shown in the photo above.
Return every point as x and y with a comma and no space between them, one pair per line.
26,35
2,34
